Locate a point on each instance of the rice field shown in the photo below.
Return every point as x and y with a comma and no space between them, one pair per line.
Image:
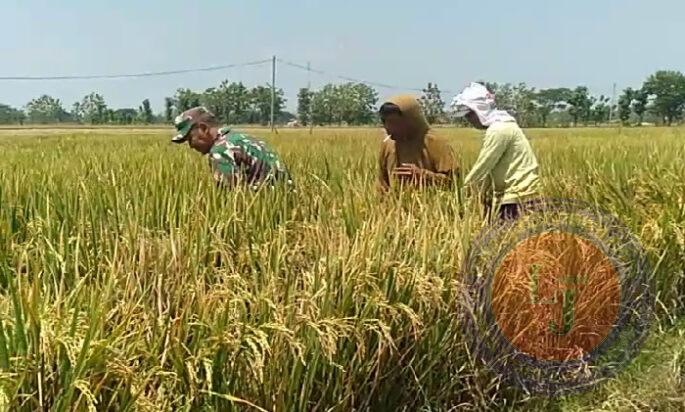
129,282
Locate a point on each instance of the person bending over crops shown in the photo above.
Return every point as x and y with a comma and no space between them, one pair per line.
506,171
234,158
411,153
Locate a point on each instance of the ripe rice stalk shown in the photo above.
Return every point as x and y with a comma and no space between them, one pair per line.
129,281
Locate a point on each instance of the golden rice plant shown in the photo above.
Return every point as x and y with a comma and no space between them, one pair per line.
129,282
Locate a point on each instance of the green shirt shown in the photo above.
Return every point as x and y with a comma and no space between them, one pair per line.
506,164
239,157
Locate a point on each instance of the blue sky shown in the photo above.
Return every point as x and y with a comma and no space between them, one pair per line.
408,43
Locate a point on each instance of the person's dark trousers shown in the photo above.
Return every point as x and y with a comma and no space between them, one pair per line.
506,212
509,211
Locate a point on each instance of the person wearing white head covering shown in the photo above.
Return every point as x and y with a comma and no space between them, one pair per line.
506,167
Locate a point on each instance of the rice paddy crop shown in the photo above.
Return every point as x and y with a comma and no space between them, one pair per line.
129,282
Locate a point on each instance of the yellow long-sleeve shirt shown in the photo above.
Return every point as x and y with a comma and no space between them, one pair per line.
506,158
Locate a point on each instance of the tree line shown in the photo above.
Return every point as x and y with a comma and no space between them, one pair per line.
231,102
661,99
92,109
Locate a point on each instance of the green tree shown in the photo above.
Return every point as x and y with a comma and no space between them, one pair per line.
46,109
668,89
230,102
549,100
640,100
580,104
260,102
76,112
358,101
432,104
518,100
600,110
304,106
238,99
524,104
168,109
504,95
323,104
186,99
212,100
342,104
10,115
109,115
586,116
124,116
351,103
285,117
145,112
260,105
625,103
92,109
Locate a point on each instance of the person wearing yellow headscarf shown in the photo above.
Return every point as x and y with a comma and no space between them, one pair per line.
412,153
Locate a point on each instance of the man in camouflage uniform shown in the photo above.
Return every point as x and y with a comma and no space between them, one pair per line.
234,158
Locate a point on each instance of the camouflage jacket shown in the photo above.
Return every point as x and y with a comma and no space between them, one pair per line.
236,157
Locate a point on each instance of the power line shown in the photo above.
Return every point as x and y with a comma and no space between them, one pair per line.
148,74
350,79
323,73
306,68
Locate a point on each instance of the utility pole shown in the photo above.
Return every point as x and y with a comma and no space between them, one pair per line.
611,106
309,90
273,92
